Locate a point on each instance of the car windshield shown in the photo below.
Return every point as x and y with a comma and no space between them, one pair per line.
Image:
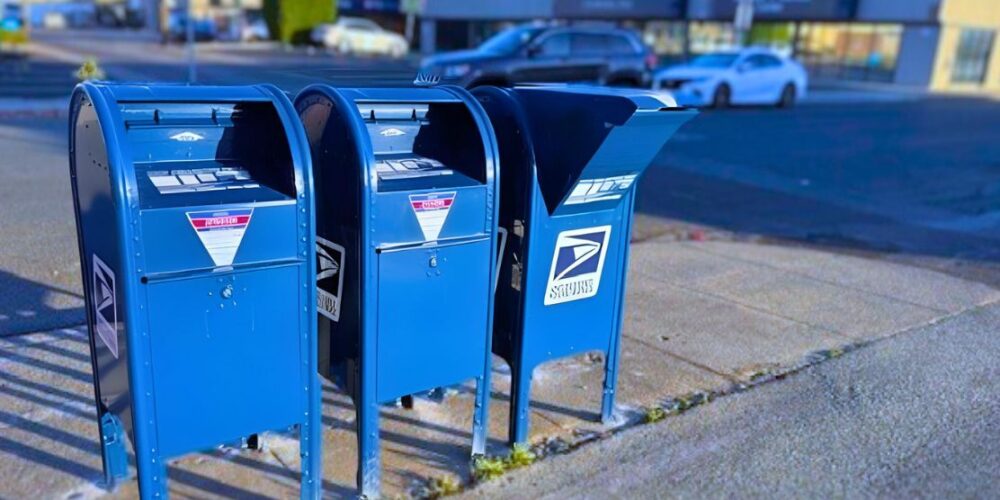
508,41
714,60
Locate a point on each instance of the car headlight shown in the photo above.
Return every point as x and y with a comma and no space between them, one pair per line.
700,79
455,71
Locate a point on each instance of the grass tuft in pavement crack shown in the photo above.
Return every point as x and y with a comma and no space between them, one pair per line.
520,456
439,487
488,468
654,414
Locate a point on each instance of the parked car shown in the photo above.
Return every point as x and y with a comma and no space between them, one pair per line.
255,30
54,21
610,56
204,29
13,35
354,35
749,76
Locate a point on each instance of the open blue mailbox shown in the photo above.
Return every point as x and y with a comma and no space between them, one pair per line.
194,209
406,185
571,159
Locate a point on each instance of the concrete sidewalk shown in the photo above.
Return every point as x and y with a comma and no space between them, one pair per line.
703,316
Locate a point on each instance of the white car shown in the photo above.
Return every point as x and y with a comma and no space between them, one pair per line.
749,76
354,35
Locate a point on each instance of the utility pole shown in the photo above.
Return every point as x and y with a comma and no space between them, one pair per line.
191,56
411,8
743,21
152,15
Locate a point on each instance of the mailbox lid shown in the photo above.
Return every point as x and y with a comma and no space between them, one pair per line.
165,92
589,144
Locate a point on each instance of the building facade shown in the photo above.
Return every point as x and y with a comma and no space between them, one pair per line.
942,45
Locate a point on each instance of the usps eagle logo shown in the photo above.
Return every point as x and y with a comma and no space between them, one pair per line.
104,303
187,137
577,264
391,132
329,277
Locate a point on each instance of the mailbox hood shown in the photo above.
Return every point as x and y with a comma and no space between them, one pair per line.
589,144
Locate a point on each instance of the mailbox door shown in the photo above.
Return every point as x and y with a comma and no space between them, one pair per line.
224,368
432,316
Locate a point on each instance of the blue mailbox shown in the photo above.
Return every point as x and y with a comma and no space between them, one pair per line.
571,158
194,211
406,247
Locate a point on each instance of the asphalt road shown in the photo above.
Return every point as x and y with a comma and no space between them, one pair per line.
920,177
913,416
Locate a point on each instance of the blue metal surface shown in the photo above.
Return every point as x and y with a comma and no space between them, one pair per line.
411,302
571,158
200,304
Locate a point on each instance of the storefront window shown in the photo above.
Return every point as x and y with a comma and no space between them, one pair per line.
972,56
850,51
664,37
776,36
712,37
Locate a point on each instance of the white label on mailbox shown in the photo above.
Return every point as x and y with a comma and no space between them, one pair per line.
105,306
607,188
329,277
432,210
577,264
221,232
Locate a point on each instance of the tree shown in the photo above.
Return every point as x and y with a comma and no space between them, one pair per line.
291,20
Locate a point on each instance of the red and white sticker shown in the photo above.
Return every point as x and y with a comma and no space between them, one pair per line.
432,210
221,232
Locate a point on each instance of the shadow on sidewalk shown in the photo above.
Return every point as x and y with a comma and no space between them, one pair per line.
29,306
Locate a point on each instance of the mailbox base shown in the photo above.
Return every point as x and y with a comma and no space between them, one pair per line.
520,408
113,450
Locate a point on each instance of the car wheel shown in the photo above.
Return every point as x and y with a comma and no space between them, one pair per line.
623,82
722,97
344,47
787,99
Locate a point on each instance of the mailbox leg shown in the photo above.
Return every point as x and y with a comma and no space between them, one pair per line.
311,446
152,477
480,417
369,466
610,382
520,407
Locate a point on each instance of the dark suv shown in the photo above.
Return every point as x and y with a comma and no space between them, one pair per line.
607,56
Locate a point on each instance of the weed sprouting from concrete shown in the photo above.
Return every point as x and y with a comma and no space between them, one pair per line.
488,468
442,486
520,456
654,414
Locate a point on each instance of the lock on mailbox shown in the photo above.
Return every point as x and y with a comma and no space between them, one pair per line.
406,239
194,212
571,158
